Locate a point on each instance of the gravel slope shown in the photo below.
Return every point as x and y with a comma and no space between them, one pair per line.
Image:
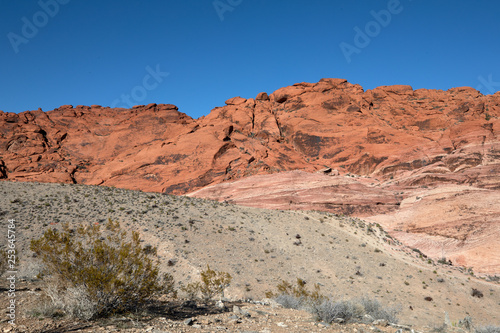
259,248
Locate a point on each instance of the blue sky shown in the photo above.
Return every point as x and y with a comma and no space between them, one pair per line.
198,53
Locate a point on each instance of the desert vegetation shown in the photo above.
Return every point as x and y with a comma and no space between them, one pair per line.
327,310
339,259
212,284
92,273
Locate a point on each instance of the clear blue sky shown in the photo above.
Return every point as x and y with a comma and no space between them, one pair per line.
94,52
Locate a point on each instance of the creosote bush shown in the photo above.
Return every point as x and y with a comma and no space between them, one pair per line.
212,284
326,310
94,272
298,294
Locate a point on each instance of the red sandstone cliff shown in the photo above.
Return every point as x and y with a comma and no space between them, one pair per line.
419,137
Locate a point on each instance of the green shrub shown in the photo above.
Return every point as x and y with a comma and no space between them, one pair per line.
299,291
106,271
212,284
297,297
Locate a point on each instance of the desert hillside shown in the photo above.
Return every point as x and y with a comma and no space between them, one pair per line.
348,257
425,164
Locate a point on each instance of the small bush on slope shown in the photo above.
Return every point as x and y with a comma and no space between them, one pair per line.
212,284
488,329
95,273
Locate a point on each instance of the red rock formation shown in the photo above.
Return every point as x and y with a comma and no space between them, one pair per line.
417,137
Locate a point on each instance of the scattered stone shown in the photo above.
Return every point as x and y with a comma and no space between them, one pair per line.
401,327
189,322
240,311
326,171
220,305
381,322
339,320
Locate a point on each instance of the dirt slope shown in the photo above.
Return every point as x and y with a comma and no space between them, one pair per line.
259,248
458,222
390,144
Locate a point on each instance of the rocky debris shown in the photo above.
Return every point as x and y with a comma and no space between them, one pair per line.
380,322
239,311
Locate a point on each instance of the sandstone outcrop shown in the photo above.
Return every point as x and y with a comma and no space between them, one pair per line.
415,137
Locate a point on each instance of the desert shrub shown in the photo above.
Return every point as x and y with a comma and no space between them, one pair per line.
212,284
30,269
298,296
299,291
466,323
488,329
444,261
73,301
94,273
477,293
327,311
375,309
290,301
324,309
354,310
45,309
494,278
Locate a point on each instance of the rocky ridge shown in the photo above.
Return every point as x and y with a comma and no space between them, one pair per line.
417,137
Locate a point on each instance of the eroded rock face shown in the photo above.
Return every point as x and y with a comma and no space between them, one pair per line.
392,135
419,137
